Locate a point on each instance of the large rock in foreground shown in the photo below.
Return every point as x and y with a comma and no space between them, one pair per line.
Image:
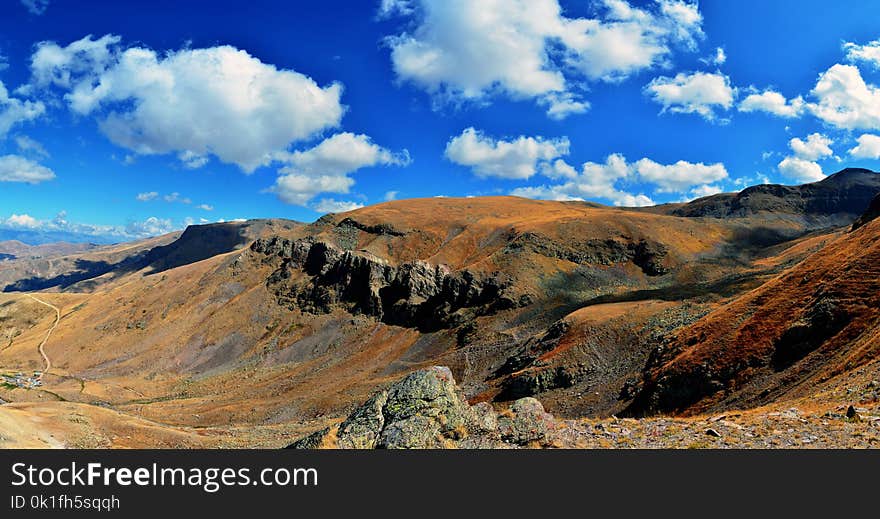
426,410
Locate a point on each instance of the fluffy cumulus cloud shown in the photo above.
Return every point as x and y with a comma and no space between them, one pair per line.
330,205
845,100
146,197
800,170
218,101
704,190
15,168
604,180
23,221
868,53
528,49
814,147
680,175
14,111
802,166
518,158
594,181
325,168
152,226
868,147
772,102
700,93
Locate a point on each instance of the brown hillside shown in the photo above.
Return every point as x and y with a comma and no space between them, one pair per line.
816,321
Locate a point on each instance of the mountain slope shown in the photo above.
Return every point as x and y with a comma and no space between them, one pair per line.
816,321
833,201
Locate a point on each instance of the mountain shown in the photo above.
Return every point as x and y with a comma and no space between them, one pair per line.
815,323
838,198
258,333
17,249
42,237
84,268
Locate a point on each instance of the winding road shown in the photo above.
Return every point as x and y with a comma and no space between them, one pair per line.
46,361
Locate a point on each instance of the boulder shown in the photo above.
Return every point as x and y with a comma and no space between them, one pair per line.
426,410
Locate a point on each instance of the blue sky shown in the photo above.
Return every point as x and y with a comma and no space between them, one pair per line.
120,120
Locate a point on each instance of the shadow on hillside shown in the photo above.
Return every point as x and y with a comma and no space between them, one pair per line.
197,243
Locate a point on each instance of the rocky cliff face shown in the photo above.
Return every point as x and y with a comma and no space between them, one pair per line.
647,255
317,276
426,410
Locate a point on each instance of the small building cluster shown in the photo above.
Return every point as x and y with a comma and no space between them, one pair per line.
23,381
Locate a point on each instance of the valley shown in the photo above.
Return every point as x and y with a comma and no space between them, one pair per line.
753,315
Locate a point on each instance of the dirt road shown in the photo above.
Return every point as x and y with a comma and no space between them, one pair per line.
47,363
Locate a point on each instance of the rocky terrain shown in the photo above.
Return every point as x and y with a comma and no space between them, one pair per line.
595,320
426,410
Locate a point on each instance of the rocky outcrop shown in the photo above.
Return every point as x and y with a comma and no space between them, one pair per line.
414,294
382,229
426,410
647,255
872,213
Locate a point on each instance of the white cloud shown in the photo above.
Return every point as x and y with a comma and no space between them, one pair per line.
152,226
680,175
816,146
774,103
601,180
802,166
594,181
390,8
36,7
14,111
192,160
699,92
465,50
800,170
391,195
720,56
217,101
22,220
519,158
31,147
175,197
205,207
704,190
15,168
330,205
146,197
325,167
868,147
869,52
845,100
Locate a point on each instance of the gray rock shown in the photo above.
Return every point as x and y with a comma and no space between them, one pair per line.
525,422
484,417
362,428
312,441
425,410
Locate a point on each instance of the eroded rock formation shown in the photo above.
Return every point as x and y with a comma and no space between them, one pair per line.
414,294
